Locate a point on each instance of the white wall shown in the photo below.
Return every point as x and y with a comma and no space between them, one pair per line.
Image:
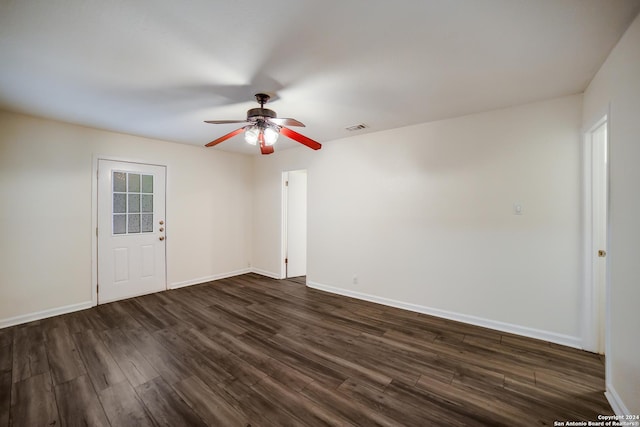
46,213
423,216
617,86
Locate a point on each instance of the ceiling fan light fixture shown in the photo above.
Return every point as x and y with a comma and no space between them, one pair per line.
271,135
263,127
251,134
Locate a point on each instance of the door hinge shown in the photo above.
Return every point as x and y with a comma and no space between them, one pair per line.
97,288
286,183
602,253
286,260
96,231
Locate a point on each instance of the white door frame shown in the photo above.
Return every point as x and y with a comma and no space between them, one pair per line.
94,217
590,325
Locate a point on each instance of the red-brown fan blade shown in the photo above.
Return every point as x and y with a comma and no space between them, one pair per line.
224,137
286,122
264,148
300,138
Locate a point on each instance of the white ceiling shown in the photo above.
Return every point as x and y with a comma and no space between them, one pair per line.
159,68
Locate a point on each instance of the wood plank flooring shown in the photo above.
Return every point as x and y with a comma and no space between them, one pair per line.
255,351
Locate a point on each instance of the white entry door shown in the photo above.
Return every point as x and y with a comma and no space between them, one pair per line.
131,230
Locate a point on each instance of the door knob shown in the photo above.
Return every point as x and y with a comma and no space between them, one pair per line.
161,228
161,237
161,222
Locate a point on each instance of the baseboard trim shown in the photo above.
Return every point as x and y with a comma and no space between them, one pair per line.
266,273
618,406
30,317
553,337
211,278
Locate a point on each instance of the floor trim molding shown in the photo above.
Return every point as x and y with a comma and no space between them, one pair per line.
43,314
266,273
199,280
618,406
553,337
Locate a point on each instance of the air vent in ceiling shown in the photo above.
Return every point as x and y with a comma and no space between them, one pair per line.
356,127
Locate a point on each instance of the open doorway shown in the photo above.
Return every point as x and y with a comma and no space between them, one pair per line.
596,237
294,223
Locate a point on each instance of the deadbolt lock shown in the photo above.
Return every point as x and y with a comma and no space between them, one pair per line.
602,253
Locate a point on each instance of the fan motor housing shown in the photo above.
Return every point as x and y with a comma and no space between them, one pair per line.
261,112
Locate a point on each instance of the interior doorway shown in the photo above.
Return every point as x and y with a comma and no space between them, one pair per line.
294,223
596,232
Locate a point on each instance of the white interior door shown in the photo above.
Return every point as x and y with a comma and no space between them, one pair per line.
296,224
599,218
131,230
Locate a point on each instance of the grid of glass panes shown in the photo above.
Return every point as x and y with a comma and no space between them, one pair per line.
132,203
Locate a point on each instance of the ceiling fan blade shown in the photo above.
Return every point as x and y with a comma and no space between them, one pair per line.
224,137
300,138
264,148
224,122
286,122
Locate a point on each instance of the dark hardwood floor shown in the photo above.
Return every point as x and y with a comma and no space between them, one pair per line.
255,351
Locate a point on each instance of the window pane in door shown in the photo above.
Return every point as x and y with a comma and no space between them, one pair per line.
133,223
134,203
132,195
119,224
119,203
134,183
147,223
119,181
147,183
147,203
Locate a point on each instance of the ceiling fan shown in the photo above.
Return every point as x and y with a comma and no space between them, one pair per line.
263,128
